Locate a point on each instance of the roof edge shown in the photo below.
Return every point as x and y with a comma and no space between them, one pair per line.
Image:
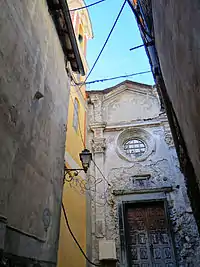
107,90
66,34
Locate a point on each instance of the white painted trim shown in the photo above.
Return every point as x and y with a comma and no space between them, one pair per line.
142,197
136,124
144,123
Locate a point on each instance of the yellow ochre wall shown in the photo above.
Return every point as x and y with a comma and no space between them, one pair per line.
74,143
74,197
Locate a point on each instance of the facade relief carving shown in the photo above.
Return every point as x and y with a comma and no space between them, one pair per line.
98,142
135,133
137,106
98,129
169,139
97,102
186,237
98,145
140,176
137,178
154,172
168,135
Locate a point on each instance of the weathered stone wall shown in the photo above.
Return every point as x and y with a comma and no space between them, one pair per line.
177,30
32,130
159,164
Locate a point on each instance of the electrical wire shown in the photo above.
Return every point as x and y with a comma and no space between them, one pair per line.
75,83
101,173
119,77
82,186
79,8
104,45
75,240
84,142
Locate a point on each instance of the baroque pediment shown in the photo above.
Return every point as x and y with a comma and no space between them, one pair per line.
127,86
130,102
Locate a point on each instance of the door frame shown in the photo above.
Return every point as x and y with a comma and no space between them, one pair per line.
121,213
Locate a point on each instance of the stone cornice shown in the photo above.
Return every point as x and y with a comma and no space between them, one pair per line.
134,124
142,191
98,125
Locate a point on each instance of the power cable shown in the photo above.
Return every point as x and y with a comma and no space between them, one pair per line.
75,83
79,8
101,173
105,43
79,126
84,142
118,77
75,240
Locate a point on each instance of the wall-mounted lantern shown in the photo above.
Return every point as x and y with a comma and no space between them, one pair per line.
85,158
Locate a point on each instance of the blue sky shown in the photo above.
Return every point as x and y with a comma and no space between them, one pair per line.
116,59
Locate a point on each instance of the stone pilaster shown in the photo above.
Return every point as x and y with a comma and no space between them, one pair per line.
97,102
98,148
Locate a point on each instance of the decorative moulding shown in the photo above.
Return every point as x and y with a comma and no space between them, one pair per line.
165,189
98,145
135,133
97,125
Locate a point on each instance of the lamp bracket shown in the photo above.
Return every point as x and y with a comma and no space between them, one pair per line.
66,169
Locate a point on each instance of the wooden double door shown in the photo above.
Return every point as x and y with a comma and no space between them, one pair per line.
148,237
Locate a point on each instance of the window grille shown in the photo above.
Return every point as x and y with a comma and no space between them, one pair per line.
134,148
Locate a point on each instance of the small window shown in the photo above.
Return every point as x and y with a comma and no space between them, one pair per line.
76,114
80,38
134,148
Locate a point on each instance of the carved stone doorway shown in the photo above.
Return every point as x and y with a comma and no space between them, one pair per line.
148,237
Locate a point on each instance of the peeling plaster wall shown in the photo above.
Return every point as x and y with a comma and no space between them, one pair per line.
32,131
161,164
140,106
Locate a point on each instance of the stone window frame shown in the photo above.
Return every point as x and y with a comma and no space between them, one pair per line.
135,133
123,200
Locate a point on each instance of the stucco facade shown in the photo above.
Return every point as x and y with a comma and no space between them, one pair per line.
74,199
124,112
34,96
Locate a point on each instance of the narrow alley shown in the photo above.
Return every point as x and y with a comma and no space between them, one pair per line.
99,133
